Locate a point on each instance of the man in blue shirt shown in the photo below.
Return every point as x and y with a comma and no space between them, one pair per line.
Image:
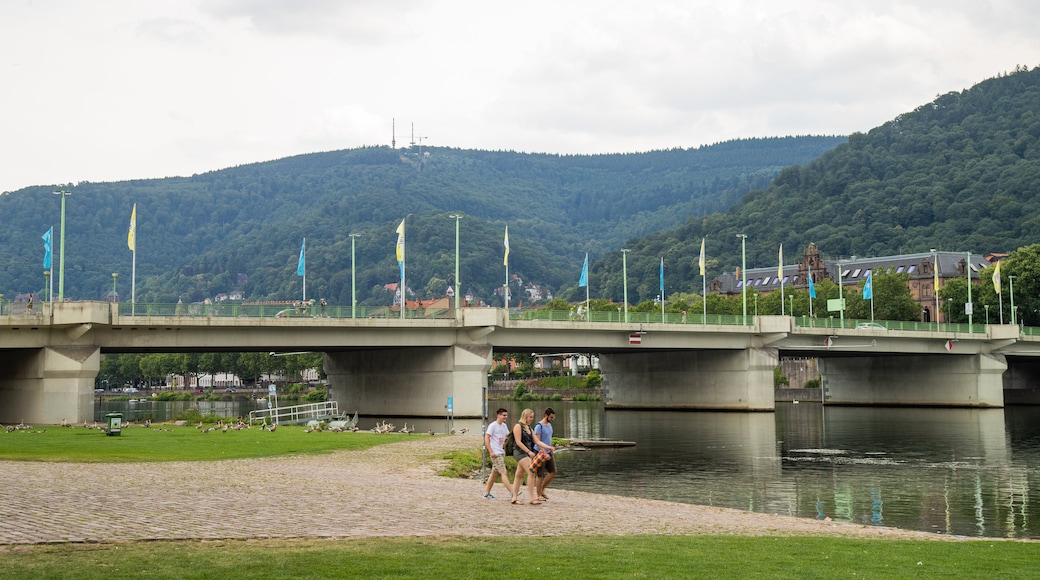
543,434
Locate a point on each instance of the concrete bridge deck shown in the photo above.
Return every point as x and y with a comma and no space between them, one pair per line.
410,366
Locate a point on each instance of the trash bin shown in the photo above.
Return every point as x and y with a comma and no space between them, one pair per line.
115,423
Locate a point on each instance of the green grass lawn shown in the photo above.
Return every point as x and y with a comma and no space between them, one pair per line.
169,443
506,557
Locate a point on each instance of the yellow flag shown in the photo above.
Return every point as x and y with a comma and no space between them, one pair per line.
131,236
935,270
505,261
400,242
996,278
701,261
780,268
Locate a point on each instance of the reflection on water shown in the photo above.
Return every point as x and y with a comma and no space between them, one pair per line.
952,471
967,472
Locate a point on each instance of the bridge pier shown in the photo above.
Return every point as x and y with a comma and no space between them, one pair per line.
412,382
733,380
46,385
926,380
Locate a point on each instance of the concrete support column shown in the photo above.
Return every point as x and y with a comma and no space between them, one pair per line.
46,385
412,382
928,380
737,380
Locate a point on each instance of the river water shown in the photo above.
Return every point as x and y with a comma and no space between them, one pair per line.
969,472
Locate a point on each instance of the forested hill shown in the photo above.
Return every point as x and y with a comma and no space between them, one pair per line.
241,228
959,173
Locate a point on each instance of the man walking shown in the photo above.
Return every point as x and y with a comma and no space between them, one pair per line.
543,434
494,439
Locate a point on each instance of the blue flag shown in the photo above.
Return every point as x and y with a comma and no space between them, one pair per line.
584,280
48,236
812,287
868,287
301,268
662,278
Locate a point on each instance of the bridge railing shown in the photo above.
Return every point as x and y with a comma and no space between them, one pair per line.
276,310
295,414
633,317
911,325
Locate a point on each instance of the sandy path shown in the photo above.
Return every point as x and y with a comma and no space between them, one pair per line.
389,490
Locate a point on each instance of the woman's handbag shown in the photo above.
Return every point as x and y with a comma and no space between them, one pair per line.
539,460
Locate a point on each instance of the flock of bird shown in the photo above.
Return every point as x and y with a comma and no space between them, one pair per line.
224,427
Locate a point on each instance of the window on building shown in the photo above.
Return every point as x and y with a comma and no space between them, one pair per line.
910,270
856,273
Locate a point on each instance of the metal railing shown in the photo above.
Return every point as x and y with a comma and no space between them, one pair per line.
863,324
296,414
633,317
277,310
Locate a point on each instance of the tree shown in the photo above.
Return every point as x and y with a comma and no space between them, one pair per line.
892,298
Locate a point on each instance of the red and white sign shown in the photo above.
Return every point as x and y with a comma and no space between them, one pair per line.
949,346
827,342
635,338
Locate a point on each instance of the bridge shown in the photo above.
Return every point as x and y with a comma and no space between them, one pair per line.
381,364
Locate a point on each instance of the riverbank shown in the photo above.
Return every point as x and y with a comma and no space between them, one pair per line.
388,490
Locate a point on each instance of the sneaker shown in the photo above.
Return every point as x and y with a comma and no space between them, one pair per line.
488,496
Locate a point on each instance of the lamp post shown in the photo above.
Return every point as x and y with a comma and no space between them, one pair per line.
791,309
841,292
61,251
935,283
970,308
624,277
353,277
743,272
458,311
948,302
47,284
987,314
115,275
1011,284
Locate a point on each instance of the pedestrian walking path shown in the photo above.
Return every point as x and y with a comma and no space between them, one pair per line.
389,490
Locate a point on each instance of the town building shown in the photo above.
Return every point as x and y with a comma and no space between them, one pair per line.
928,272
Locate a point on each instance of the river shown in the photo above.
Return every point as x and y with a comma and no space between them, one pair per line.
969,472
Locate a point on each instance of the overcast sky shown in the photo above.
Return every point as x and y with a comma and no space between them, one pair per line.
123,89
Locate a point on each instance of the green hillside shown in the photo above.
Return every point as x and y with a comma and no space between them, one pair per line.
241,228
959,173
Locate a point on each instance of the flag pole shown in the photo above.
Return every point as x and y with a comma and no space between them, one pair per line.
662,288
704,286
131,242
780,277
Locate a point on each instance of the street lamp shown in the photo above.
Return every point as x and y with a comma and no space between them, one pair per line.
458,311
61,252
624,277
115,275
987,314
1011,283
47,284
948,302
743,272
970,308
353,277
841,292
791,301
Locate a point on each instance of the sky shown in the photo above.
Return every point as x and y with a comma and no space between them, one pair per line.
129,89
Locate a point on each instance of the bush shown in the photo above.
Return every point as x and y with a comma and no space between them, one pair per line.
556,397
812,384
316,396
193,415
779,380
521,391
593,380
